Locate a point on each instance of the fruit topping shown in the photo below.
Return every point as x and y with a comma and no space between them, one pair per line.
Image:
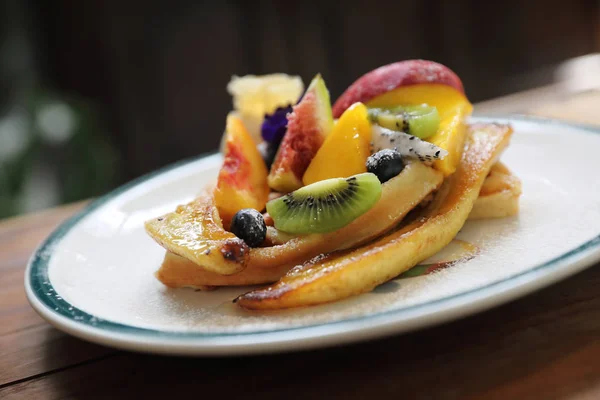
408,146
274,125
345,150
249,225
393,76
326,205
242,180
342,274
453,107
254,96
308,125
417,82
386,164
420,120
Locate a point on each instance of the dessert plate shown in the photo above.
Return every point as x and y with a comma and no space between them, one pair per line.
93,277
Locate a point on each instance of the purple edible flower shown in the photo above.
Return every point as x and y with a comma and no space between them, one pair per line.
274,125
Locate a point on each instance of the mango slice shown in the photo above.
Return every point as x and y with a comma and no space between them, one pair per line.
345,151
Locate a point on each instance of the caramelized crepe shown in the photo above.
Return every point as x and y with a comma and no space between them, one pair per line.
499,195
342,274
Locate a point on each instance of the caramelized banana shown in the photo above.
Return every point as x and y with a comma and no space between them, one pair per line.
400,195
195,231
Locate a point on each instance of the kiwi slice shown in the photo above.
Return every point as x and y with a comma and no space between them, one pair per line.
326,205
420,120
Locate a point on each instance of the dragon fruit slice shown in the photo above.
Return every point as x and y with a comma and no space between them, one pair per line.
408,146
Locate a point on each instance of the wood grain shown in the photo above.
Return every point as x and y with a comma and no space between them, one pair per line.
29,346
544,346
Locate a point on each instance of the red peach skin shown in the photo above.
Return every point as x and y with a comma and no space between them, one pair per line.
393,76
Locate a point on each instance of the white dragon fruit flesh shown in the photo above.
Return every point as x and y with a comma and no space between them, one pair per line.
408,146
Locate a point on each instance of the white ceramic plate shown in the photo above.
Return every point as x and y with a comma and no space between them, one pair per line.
93,277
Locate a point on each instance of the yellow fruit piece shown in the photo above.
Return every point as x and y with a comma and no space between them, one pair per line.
453,108
242,181
345,151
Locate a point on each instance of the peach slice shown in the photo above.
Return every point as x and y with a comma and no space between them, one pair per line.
242,180
345,151
343,274
308,125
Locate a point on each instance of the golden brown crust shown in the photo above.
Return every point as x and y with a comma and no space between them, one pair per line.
177,271
342,274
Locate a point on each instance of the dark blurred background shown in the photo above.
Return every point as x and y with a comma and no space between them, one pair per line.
94,93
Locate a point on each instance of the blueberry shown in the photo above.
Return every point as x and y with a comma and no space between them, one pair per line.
249,225
386,164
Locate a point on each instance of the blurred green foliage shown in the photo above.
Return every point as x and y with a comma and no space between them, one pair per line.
53,148
52,151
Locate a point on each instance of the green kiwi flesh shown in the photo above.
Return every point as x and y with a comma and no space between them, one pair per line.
325,206
420,120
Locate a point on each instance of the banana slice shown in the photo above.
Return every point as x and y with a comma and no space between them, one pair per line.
195,231
343,274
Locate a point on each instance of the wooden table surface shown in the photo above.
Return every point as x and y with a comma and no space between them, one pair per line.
543,346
